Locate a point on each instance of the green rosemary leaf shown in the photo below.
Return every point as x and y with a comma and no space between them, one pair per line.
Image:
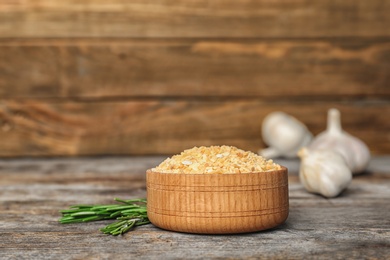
119,227
122,208
71,210
70,221
127,227
66,219
139,210
83,213
115,214
115,224
132,214
140,223
93,218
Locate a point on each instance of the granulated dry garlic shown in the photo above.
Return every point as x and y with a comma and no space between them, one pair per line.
216,160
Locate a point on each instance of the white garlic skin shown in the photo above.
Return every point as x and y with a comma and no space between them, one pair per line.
324,172
284,135
354,151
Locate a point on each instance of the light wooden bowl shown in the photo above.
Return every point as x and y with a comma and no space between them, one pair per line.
217,203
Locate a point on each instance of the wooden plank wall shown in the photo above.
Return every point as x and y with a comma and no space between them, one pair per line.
81,77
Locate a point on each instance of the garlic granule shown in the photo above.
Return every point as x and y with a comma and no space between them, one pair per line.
216,160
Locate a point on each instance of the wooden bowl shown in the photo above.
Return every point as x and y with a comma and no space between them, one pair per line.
217,203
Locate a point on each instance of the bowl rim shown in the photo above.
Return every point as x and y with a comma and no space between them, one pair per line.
283,169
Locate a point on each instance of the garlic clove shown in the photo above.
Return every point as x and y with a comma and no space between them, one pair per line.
284,135
354,151
324,172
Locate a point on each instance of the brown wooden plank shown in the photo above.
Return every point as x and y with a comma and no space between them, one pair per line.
252,68
181,18
353,225
37,128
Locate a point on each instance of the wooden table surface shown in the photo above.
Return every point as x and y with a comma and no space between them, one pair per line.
32,191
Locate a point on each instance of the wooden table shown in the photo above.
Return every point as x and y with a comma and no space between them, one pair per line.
354,225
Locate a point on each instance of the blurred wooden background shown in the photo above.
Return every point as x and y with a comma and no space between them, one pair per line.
102,77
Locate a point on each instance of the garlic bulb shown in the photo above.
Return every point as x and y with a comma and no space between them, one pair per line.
284,135
324,172
354,151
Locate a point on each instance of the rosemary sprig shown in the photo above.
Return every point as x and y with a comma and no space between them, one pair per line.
130,213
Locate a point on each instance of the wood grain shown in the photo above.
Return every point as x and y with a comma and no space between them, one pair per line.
217,203
181,18
156,77
323,69
354,225
53,127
